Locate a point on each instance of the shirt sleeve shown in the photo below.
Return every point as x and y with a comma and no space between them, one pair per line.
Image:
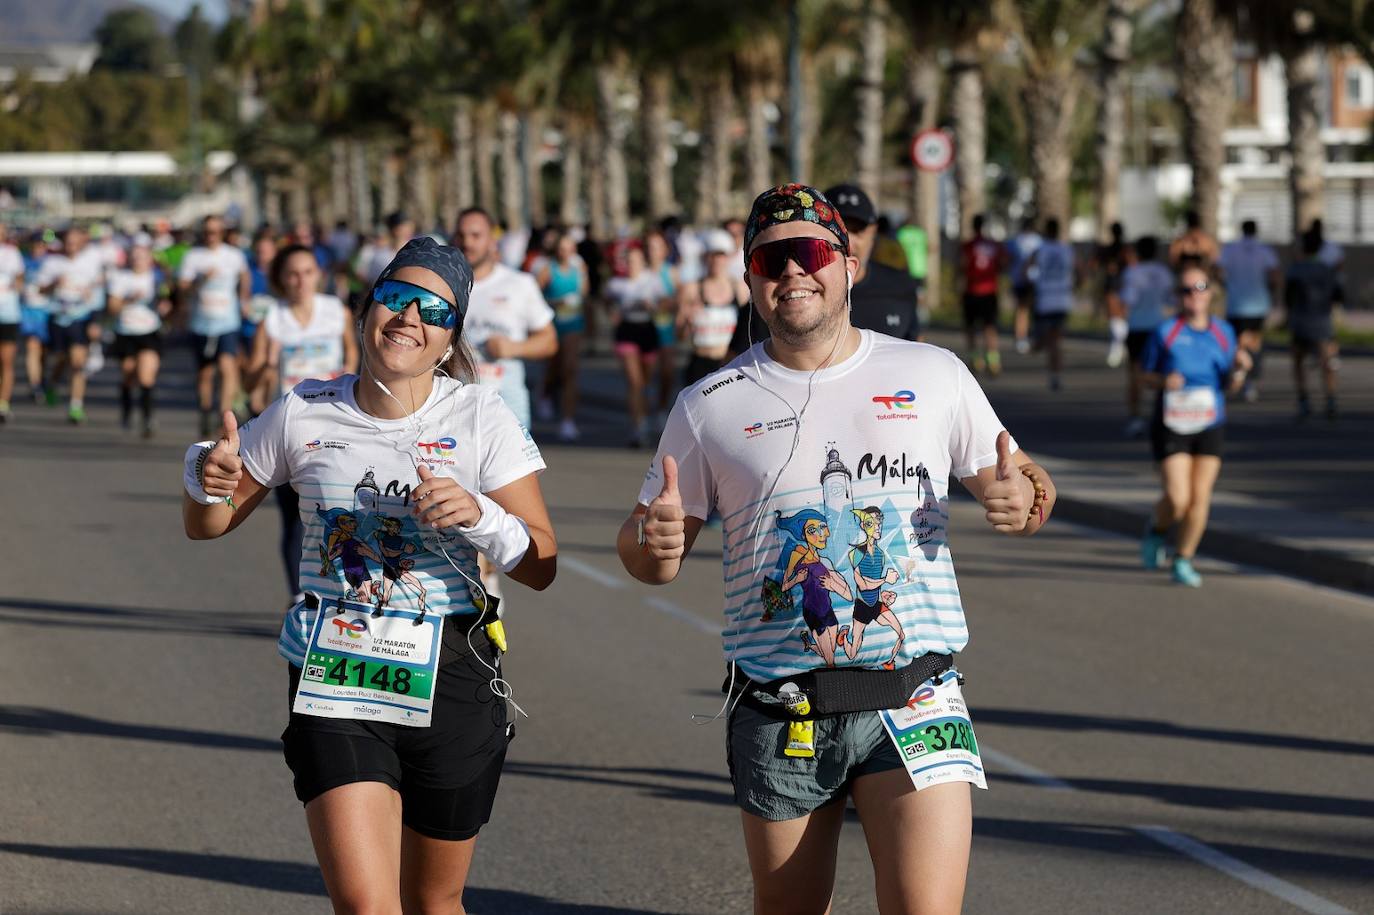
262,444
508,450
694,480
975,426
538,314
188,269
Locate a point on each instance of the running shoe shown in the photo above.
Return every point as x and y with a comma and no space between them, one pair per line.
1250,393
1152,546
52,396
1135,428
1023,347
568,431
994,363
38,396
980,365
76,415
842,636
543,410
1116,354
1185,574
149,429
4,411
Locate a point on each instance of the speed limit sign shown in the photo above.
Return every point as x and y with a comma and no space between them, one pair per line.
932,150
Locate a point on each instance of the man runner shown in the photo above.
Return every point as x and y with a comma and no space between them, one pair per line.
215,277
983,259
819,398
1251,271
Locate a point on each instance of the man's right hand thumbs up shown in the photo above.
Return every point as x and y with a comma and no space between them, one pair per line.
224,467
664,527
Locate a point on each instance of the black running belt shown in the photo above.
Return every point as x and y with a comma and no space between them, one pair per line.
837,690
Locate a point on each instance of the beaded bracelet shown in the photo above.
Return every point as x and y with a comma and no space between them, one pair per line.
1038,506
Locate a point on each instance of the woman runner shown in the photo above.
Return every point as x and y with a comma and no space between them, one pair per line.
710,308
394,810
1189,359
636,296
139,303
303,335
563,280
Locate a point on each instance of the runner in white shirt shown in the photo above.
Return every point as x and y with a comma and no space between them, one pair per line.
74,280
373,259
1252,274
636,297
138,303
1052,265
508,320
397,732
215,277
11,285
829,452
1147,295
305,335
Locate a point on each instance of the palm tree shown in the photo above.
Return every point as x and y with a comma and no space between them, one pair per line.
1051,33
656,87
757,62
869,97
1302,69
1113,55
1205,52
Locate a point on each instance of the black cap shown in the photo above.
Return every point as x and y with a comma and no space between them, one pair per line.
449,263
852,203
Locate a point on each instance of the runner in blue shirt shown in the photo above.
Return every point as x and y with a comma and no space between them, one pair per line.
1192,360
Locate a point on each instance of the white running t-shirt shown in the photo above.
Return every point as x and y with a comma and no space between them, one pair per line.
505,303
313,351
215,308
80,289
11,268
884,434
355,473
138,292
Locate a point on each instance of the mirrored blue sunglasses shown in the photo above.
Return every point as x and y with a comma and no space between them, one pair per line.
435,310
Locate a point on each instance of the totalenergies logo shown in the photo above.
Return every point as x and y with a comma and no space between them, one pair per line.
902,400
754,428
924,698
354,629
439,448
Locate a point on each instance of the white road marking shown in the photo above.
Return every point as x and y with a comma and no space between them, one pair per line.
1184,845
1025,770
1245,873
587,570
663,605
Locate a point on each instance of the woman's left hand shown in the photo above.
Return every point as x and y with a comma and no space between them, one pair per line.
440,502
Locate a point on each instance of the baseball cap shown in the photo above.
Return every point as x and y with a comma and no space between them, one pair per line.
719,241
852,203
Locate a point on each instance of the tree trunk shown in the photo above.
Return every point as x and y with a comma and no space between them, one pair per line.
808,120
570,205
447,192
338,181
869,98
271,202
596,187
418,178
720,113
1205,46
923,107
968,115
532,138
361,193
1049,99
655,89
298,194
1115,54
512,201
758,158
1306,172
613,131
390,190
463,192
484,151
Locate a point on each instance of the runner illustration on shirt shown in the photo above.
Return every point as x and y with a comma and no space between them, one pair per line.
873,568
810,532
341,542
396,549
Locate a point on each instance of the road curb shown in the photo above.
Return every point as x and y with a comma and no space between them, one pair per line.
1325,567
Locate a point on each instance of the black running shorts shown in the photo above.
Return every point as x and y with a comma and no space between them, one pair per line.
446,774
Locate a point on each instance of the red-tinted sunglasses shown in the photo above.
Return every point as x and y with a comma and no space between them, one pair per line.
811,254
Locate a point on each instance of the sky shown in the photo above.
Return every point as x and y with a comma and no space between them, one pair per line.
214,10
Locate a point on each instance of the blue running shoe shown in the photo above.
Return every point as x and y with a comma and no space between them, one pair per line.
1152,547
1185,574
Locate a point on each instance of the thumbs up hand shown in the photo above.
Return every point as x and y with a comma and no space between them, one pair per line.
1007,499
664,525
441,502
224,467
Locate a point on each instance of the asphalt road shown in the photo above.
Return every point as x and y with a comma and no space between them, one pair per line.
1150,748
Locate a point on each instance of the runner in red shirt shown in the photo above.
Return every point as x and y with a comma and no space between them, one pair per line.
983,260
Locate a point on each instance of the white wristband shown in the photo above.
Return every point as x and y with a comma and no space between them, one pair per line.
192,476
500,536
